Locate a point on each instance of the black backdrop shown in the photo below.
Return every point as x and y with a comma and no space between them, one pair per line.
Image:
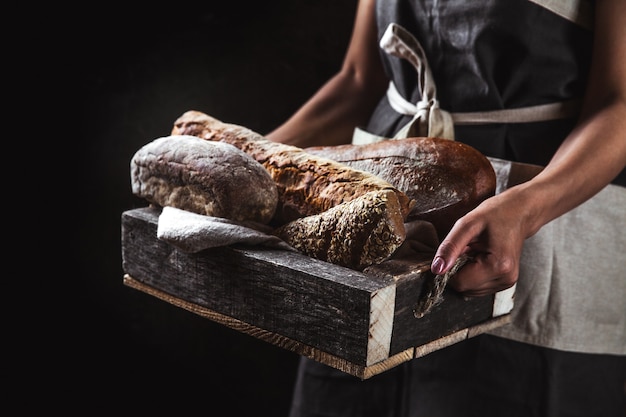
113,350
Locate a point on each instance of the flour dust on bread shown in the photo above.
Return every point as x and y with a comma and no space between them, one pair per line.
307,184
356,234
208,178
326,210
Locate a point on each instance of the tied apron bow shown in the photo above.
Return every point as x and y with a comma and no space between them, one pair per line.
430,120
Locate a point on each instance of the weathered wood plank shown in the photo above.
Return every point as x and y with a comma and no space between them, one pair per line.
453,314
360,323
322,305
359,371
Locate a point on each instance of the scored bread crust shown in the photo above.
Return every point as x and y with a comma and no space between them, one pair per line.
307,184
326,210
445,178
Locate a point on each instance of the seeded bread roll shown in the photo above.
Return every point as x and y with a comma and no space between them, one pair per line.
355,234
209,178
307,184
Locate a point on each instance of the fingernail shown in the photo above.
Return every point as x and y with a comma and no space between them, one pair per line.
438,265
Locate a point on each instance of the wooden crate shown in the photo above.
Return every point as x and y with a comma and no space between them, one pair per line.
360,323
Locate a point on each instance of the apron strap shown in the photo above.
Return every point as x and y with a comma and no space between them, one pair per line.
538,113
428,118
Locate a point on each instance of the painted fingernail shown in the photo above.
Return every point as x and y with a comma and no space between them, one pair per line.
438,265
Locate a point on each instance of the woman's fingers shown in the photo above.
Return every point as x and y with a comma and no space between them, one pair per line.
453,246
485,275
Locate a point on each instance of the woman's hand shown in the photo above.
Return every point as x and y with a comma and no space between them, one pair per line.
493,235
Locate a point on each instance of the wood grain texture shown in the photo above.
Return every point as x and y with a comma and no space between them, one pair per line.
359,322
320,304
359,371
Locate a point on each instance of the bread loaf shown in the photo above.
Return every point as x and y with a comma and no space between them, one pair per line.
307,184
445,178
356,234
209,178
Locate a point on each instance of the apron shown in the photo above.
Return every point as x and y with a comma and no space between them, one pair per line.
571,292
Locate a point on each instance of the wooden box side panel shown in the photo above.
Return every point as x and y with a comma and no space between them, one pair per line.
278,291
454,313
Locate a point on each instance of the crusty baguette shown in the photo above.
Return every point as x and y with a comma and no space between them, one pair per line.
307,184
445,178
355,234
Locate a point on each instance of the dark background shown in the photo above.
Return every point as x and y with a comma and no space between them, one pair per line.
122,77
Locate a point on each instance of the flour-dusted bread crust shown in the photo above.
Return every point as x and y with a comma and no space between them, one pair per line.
326,209
445,178
355,234
209,178
307,184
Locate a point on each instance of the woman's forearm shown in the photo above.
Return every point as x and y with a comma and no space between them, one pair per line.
590,158
330,116
594,153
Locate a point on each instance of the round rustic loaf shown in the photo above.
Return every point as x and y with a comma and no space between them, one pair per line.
210,178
